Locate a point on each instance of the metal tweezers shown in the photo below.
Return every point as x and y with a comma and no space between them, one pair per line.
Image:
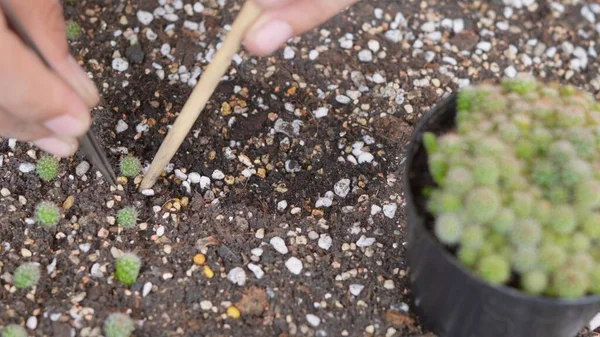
89,142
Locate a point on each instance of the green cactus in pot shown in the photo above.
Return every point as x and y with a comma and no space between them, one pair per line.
517,186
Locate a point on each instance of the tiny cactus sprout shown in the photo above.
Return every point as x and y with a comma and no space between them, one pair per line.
494,269
47,214
130,166
515,194
14,330
47,167
73,30
118,325
128,268
26,275
127,217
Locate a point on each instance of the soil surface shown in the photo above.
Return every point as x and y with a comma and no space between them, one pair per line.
290,183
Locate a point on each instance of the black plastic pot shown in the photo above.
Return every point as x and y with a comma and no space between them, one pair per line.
449,299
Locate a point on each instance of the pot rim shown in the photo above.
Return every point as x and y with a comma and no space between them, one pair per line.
412,148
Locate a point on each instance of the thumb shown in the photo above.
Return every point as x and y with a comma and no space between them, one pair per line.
45,23
284,19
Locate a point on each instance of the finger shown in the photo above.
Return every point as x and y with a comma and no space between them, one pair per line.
279,24
269,4
35,95
61,146
12,127
45,24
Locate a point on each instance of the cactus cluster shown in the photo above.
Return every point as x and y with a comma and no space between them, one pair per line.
127,268
27,275
47,167
517,193
130,166
14,330
118,325
47,214
127,217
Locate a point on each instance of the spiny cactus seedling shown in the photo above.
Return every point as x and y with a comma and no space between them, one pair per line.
14,330
517,186
26,275
118,325
47,167
73,30
127,268
130,166
127,217
47,214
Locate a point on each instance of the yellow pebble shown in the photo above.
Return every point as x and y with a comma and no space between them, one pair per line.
233,312
208,272
199,259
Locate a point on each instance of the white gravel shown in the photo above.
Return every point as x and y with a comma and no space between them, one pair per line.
237,276
145,18
279,245
294,265
325,241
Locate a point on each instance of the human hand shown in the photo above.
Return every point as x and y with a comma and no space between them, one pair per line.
284,19
36,105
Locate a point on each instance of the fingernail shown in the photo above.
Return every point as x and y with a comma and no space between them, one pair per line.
81,83
272,35
67,125
58,147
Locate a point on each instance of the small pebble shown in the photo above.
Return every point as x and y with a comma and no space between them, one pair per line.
26,167
144,17
198,7
233,312
147,288
279,245
321,112
82,168
388,284
237,276
206,305
389,210
313,320
194,177
120,64
218,175
325,242
121,126
288,53
282,205
342,188
356,289
294,265
365,242
32,323
510,71
257,270
204,182
4,192
342,99
365,55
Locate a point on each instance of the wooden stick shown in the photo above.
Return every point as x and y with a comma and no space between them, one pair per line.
201,93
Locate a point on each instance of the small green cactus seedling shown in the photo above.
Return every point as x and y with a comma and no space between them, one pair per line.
127,217
118,325
14,330
73,30
494,268
26,275
516,186
47,167
128,268
130,166
47,214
